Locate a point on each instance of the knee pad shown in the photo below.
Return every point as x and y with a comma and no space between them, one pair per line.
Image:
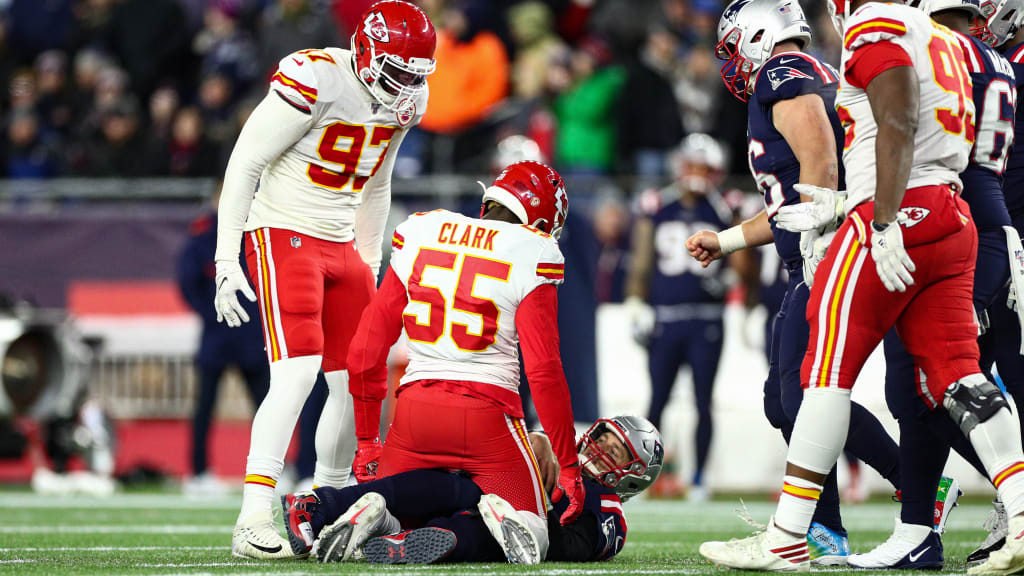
973,400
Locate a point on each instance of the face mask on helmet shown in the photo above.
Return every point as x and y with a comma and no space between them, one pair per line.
999,21
737,69
608,455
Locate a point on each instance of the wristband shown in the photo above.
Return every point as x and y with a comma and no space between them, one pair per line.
731,240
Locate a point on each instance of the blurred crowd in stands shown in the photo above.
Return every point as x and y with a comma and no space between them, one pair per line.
129,88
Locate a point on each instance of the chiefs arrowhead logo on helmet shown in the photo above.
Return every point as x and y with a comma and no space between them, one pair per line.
375,27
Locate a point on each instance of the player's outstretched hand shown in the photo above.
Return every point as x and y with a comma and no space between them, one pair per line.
704,247
824,210
367,459
231,279
570,485
891,259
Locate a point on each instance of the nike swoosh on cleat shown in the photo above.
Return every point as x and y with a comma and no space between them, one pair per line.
266,549
497,516
352,520
913,558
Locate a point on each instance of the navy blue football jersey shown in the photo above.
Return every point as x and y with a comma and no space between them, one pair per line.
678,278
995,97
606,506
1013,177
772,163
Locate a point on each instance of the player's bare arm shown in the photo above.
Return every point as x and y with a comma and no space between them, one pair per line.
642,259
893,95
804,123
705,246
545,459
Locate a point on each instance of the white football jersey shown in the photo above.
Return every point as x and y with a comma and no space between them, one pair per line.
465,278
317,184
941,145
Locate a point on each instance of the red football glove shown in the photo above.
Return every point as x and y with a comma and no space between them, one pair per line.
570,483
367,460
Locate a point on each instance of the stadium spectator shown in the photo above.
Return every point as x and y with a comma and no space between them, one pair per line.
29,153
226,48
611,229
38,26
87,68
54,103
117,150
188,152
472,71
215,98
163,105
586,140
536,45
291,25
149,39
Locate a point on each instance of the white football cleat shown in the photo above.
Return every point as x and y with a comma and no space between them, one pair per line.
367,518
510,530
1010,558
910,547
257,537
996,525
771,550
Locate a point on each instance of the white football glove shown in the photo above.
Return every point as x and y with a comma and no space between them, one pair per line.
1011,299
813,247
824,210
641,319
891,259
231,279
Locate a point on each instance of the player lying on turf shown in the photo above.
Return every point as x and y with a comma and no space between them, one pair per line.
456,522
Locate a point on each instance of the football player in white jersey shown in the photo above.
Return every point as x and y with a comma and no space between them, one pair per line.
317,154
903,257
467,291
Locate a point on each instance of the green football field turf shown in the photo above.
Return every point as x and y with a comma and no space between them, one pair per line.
168,534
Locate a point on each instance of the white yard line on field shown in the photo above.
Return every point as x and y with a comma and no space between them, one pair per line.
111,548
117,529
127,501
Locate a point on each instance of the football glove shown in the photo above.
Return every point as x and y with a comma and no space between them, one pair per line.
231,279
824,210
892,262
1011,298
367,460
570,485
813,247
641,320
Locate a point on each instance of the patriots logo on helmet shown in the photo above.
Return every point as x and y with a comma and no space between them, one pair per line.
782,74
733,9
375,27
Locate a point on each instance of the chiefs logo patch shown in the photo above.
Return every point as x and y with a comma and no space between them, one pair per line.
405,111
375,27
914,214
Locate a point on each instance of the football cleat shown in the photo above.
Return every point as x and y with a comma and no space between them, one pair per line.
827,547
1010,558
506,525
909,547
367,518
256,537
421,546
298,512
945,500
771,550
995,524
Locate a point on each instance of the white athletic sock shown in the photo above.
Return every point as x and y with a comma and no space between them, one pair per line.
997,442
291,380
335,434
818,437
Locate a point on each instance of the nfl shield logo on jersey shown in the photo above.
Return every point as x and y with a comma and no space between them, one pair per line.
782,74
375,27
296,242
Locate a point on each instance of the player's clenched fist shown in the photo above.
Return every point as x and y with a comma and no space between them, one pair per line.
231,279
704,247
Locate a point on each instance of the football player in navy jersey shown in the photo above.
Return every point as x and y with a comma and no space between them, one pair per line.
915,543
794,137
687,299
452,521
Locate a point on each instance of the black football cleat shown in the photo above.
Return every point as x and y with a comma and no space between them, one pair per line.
421,546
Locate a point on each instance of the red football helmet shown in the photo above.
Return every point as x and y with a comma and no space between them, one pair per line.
532,191
393,50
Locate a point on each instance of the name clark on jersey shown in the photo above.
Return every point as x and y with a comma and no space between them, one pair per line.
472,236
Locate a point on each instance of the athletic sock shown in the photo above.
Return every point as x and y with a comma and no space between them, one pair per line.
796,504
335,434
922,459
291,379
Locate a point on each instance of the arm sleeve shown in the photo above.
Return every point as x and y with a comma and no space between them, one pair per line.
575,542
273,127
870,60
372,215
537,325
379,328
